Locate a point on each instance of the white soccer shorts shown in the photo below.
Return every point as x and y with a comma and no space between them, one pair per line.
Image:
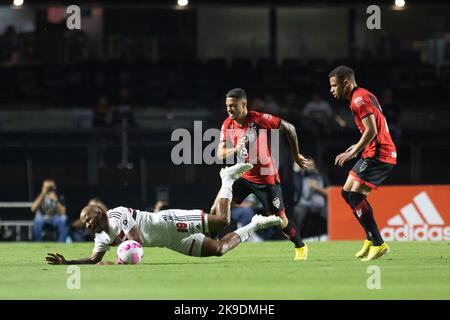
186,228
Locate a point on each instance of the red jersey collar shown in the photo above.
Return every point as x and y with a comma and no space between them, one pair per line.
245,121
353,92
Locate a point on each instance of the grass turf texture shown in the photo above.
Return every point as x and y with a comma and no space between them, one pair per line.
413,270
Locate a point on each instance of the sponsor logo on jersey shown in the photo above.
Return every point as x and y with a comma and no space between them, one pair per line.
358,101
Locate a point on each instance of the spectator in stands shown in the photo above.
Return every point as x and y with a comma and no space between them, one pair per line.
291,108
258,104
50,212
9,41
13,59
310,194
271,105
102,113
75,46
318,112
392,113
79,232
102,118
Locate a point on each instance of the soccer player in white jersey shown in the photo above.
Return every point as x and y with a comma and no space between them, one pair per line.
179,230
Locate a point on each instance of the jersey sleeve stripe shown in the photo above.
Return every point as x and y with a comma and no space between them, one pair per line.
115,212
366,115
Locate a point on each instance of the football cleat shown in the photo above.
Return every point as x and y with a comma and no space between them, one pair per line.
376,251
364,250
262,222
234,172
301,253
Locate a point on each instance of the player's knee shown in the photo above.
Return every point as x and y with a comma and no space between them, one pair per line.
284,222
220,250
355,198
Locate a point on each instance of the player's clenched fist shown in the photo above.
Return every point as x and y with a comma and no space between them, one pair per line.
241,144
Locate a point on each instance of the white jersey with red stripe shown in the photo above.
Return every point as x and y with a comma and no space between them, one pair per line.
162,229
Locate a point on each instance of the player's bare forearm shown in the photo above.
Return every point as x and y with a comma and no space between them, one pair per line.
56,258
369,134
37,202
291,133
366,137
224,153
107,263
82,261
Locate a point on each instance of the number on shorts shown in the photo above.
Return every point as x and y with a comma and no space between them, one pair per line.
182,227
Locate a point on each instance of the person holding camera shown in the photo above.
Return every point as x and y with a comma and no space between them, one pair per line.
50,211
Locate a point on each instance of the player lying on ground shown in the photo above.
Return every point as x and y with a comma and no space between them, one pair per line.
179,230
376,163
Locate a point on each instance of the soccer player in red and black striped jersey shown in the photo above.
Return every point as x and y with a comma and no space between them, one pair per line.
378,158
246,135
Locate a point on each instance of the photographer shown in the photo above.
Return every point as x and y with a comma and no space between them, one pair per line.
310,197
50,211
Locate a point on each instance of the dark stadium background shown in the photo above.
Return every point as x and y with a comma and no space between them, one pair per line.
176,64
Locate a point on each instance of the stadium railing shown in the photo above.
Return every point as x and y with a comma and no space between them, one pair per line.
17,224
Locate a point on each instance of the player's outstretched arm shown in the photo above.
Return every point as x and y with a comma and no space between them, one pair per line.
369,134
56,258
289,129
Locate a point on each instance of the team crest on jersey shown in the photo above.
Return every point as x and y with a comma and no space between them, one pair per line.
358,101
363,167
276,202
267,116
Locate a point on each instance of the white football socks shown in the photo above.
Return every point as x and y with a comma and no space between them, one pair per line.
245,231
226,191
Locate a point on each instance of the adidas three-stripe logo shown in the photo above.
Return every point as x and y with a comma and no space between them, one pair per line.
419,220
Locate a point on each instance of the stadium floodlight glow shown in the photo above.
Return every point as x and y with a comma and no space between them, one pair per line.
400,3
183,3
18,3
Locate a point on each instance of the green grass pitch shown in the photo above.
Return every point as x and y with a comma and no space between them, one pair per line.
413,270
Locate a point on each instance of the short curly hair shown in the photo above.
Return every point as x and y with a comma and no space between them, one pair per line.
342,73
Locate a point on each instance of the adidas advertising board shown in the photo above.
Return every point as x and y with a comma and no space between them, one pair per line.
403,213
